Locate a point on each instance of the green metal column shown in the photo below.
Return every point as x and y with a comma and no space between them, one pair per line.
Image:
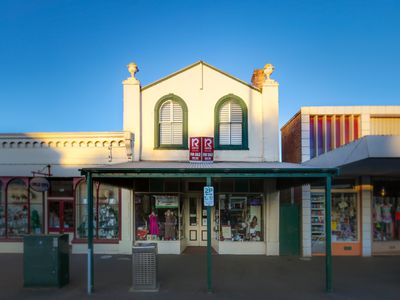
328,234
209,257
90,268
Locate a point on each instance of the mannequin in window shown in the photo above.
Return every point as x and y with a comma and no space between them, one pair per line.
397,218
153,221
378,219
387,218
169,225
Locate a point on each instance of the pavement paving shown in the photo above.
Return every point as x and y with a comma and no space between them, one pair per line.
234,277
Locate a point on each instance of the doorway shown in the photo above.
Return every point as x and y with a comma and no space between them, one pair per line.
196,220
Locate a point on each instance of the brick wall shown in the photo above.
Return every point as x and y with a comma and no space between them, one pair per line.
291,140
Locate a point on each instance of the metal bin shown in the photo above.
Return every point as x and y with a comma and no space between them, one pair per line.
145,267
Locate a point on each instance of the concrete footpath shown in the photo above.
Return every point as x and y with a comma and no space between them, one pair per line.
235,277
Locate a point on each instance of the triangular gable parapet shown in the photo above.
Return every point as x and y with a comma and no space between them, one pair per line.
195,64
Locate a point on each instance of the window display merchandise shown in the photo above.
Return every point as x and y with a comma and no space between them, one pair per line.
105,212
386,218
157,217
2,213
17,208
318,221
344,217
241,218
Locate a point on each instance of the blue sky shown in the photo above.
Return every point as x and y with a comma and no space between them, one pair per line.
62,62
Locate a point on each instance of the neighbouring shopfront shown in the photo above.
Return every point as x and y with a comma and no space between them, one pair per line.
345,218
386,215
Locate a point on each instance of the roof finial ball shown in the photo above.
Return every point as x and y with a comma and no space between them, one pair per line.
133,69
268,70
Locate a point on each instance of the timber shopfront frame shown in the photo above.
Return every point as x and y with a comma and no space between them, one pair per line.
282,173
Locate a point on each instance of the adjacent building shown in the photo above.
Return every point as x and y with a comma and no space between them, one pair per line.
364,143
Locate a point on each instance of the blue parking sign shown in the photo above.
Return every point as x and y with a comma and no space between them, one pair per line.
208,196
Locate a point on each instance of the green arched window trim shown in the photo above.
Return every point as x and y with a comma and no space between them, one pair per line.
245,137
179,100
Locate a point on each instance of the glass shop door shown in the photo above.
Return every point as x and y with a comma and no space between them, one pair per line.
196,220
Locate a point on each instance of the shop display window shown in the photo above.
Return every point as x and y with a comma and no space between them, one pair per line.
17,208
36,212
344,217
157,217
106,212
241,217
386,214
2,212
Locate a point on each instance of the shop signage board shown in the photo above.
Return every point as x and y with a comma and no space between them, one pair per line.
201,149
166,201
208,196
39,184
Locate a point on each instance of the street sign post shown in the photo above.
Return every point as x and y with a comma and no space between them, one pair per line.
209,202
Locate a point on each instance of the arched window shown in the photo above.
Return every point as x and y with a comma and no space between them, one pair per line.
171,123
231,124
17,208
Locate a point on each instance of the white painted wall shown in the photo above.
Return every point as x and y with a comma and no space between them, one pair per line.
201,87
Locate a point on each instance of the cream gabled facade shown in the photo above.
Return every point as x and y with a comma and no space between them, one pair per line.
158,121
200,87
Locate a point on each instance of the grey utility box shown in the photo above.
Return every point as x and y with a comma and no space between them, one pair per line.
46,260
144,268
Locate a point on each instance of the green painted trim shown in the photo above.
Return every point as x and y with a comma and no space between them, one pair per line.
184,145
205,64
245,133
205,175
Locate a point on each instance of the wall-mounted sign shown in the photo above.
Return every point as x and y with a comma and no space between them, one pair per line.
39,184
201,149
166,201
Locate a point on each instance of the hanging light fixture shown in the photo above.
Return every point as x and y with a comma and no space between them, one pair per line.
383,192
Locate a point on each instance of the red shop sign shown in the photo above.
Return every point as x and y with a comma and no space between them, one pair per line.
201,149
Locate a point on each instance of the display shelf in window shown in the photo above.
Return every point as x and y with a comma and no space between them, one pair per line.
317,221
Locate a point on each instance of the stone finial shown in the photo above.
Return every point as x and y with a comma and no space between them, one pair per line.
268,70
133,69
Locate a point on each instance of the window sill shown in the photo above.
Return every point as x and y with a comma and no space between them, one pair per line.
96,241
11,240
172,147
231,148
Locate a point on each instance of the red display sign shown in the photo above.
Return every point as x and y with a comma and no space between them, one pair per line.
201,149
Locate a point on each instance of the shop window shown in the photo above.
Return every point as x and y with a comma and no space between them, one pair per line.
36,212
2,212
386,211
157,217
231,124
241,217
171,123
17,208
106,212
344,217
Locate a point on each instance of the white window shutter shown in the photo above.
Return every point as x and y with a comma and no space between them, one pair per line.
171,123
230,124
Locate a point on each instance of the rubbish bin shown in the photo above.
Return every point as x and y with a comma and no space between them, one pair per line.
46,260
144,267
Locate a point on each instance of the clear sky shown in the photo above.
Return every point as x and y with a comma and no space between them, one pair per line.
62,62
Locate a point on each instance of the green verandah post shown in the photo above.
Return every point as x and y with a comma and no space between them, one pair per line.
209,258
328,234
90,267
